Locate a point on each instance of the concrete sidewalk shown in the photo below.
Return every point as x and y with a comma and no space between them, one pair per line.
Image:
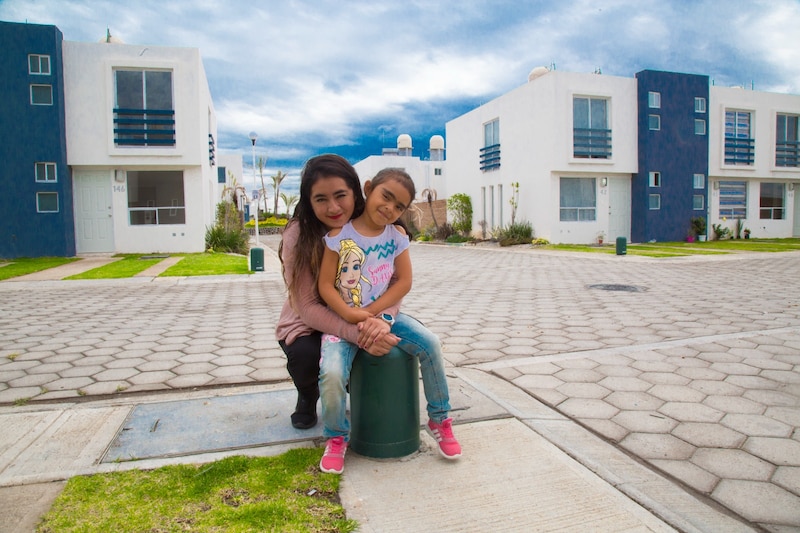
511,478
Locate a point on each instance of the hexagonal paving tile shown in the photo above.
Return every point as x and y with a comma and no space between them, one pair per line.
708,435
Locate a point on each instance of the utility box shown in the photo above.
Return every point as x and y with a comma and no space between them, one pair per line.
257,259
622,246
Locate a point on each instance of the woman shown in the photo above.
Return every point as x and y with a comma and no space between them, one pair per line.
330,195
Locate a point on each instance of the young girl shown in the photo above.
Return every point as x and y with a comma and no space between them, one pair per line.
359,261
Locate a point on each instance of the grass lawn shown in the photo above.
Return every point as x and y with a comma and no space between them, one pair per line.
19,267
128,266
286,493
676,249
209,265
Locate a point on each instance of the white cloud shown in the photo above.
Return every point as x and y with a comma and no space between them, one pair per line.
306,75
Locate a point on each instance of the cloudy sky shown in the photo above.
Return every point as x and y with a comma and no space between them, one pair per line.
350,76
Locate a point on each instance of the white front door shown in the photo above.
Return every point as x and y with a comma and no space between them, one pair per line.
619,209
94,222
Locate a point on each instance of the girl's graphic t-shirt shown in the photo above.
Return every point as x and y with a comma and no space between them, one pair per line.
366,264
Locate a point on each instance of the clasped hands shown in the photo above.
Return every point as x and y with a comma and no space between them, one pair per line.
375,336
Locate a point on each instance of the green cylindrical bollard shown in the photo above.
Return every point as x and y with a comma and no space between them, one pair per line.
384,404
622,246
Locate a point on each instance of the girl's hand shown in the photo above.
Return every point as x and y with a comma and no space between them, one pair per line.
375,336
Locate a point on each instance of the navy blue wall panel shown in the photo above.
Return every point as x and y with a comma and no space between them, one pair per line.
30,134
675,151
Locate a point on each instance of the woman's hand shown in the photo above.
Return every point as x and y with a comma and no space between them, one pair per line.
375,336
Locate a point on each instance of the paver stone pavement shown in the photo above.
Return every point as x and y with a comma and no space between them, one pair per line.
691,365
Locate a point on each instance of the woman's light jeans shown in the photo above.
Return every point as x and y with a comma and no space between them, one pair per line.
337,360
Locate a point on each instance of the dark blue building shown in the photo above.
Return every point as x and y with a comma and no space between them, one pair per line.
36,183
671,186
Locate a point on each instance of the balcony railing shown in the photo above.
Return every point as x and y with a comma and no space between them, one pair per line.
787,154
490,157
591,143
144,127
212,150
739,151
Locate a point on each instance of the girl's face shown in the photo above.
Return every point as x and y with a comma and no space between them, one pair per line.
332,201
386,201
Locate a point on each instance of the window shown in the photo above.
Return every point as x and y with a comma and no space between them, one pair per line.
45,172
38,64
654,100
156,197
771,204
699,104
787,148
47,202
144,114
591,135
698,202
655,179
221,174
733,199
699,181
437,171
654,122
739,146
578,199
699,126
654,202
41,94
490,153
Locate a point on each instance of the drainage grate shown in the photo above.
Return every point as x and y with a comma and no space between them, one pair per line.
619,288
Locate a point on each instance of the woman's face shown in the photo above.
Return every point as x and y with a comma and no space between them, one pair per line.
333,201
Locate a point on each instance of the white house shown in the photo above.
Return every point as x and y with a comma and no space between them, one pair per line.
639,158
428,174
141,141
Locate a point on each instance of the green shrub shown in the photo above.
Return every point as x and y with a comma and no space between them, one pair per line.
228,234
517,233
460,205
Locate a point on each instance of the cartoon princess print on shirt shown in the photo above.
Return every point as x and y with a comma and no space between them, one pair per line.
348,274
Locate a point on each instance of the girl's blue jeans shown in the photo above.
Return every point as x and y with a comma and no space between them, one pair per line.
337,360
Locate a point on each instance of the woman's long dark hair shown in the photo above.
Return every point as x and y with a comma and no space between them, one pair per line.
309,249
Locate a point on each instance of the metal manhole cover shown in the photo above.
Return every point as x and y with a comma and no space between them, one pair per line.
617,287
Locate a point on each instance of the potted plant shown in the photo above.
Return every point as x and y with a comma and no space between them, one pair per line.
600,236
746,233
698,225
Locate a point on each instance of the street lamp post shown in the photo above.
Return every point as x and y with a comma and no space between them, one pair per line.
253,137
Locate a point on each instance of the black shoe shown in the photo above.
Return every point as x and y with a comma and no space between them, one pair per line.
305,412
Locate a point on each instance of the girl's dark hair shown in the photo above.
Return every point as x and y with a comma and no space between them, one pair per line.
310,247
400,176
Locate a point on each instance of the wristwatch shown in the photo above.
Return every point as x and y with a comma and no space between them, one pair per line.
386,317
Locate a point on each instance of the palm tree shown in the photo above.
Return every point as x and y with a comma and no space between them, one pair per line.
289,200
236,193
262,161
276,186
430,195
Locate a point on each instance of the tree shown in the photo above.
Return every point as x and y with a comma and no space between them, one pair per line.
262,161
460,205
276,186
514,201
430,194
235,192
289,200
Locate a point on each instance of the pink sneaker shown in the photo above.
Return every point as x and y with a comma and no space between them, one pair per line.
333,459
443,434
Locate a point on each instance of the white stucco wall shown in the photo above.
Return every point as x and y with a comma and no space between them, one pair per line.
422,172
764,108
536,143
90,98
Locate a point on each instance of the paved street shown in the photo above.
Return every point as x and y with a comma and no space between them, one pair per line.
691,365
